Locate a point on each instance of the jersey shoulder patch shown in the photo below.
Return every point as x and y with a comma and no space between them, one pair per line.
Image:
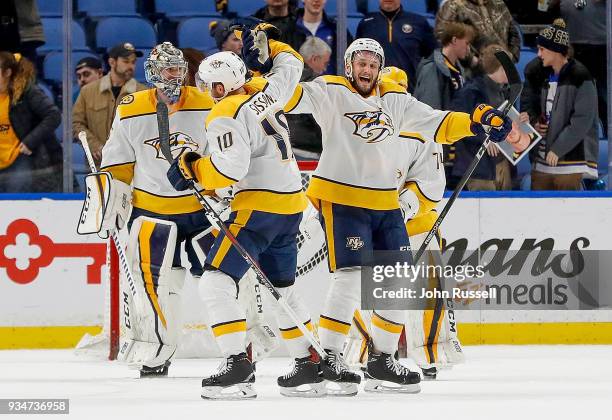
137,103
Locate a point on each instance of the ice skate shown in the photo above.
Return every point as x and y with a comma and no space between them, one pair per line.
429,374
387,375
233,381
304,380
340,380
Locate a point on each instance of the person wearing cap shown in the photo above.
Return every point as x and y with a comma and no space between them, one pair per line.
95,106
87,70
225,38
561,101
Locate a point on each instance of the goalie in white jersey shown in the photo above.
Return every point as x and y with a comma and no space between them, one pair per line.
355,189
161,218
249,146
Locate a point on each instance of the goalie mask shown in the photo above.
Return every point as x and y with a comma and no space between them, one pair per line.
358,46
225,68
166,68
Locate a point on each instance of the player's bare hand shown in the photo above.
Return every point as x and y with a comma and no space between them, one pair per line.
492,150
524,117
552,159
24,150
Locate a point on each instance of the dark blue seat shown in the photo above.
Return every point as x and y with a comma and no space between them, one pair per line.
526,56
352,23
602,164
52,65
116,30
194,33
139,73
106,8
54,33
50,8
351,8
244,7
184,8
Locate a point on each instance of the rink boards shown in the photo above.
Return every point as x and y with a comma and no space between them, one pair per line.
50,277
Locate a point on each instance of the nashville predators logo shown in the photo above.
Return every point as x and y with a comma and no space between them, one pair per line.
354,243
179,143
374,126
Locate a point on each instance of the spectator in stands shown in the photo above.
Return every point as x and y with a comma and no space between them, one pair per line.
194,58
491,20
441,75
95,107
30,155
561,100
314,21
586,25
406,37
283,15
305,132
87,70
21,30
225,38
493,171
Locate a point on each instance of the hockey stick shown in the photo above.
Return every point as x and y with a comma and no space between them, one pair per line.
164,145
515,89
122,258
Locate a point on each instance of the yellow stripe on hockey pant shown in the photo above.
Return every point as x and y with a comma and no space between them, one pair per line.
334,325
386,325
328,217
242,217
294,332
230,327
144,245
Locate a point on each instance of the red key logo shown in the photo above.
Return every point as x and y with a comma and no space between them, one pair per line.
48,252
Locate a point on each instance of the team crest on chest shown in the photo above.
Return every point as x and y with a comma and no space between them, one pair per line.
179,143
373,126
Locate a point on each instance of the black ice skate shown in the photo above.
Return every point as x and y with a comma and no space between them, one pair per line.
430,374
233,381
157,371
340,380
304,379
386,374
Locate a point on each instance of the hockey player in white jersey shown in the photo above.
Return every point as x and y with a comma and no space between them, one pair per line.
355,189
161,218
250,150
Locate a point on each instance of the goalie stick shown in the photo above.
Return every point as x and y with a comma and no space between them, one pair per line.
164,145
122,258
514,91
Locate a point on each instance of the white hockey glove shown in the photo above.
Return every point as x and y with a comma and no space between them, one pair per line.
409,204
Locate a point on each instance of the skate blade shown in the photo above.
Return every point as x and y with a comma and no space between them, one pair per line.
234,392
381,387
429,378
341,389
317,390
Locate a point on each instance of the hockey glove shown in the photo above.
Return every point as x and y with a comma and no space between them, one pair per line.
487,116
180,173
409,204
255,51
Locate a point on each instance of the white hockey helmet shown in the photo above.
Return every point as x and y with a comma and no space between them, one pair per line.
224,67
362,44
166,68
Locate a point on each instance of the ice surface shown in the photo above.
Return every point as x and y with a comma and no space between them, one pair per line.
497,382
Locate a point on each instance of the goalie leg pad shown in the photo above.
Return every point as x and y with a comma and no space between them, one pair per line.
342,300
431,334
260,334
228,320
150,252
